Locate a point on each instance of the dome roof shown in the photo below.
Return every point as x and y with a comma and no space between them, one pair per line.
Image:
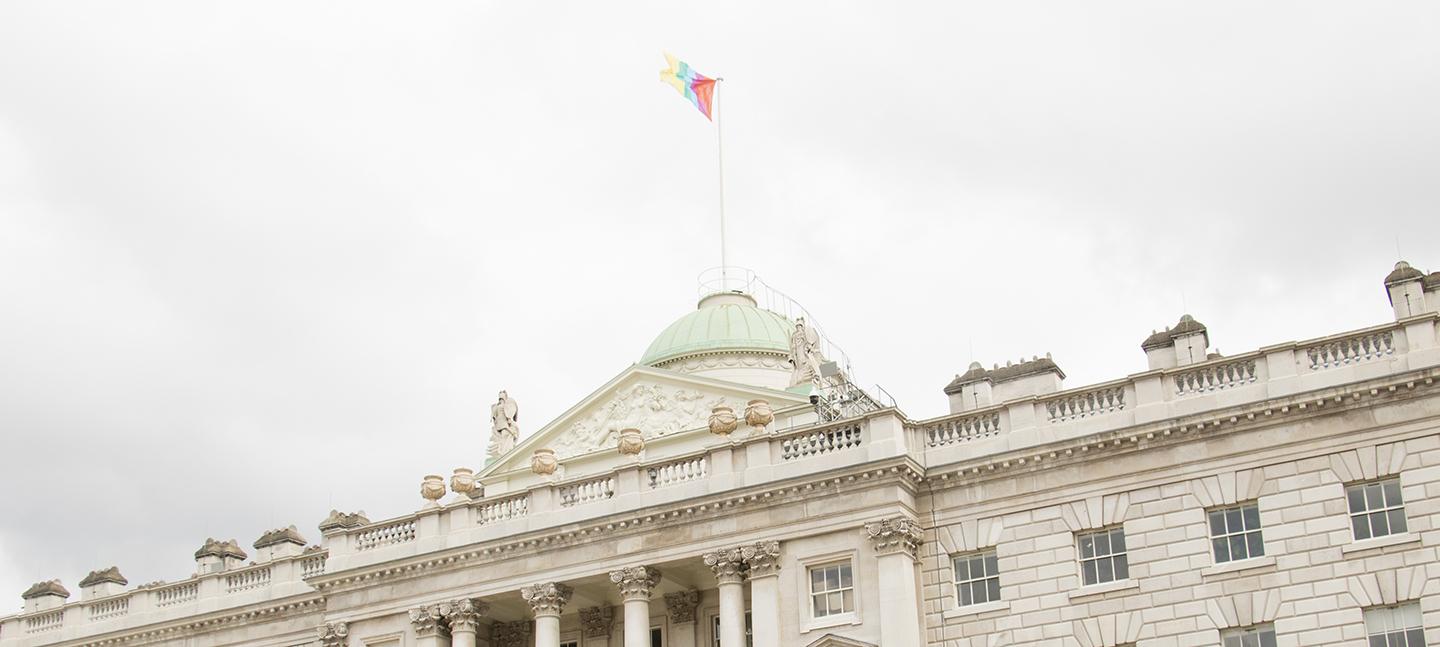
728,321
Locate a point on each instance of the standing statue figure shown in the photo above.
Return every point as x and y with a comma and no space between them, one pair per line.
805,355
504,430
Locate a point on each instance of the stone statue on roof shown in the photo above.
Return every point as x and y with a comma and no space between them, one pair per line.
504,428
805,355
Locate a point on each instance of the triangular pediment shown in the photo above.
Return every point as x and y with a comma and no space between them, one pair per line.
832,640
658,402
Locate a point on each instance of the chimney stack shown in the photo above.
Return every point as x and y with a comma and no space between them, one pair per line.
102,583
282,542
1411,292
979,387
216,556
43,596
1188,342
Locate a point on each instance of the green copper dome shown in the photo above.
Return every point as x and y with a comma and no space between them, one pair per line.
723,322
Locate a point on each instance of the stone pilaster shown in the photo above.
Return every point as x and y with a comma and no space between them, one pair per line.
429,621
896,535
333,634
728,565
762,558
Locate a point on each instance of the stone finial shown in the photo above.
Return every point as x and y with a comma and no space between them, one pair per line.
597,622
42,589
547,598
465,614
432,488
635,582
728,565
280,536
896,535
105,576
333,634
762,558
344,520
429,620
511,634
681,605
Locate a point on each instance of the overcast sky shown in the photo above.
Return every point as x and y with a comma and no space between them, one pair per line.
262,259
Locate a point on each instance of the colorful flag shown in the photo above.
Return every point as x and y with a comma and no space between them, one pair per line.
696,87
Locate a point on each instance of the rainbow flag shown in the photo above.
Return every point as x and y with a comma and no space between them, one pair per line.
692,85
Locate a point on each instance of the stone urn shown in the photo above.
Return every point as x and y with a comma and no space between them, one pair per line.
758,414
432,488
723,421
544,462
462,482
631,442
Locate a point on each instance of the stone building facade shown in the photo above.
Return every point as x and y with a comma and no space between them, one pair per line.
728,490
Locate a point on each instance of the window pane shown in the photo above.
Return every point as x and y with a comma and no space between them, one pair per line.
1361,526
1122,567
1416,637
962,570
1087,568
1267,638
977,588
1217,522
819,606
1392,492
846,579
1117,540
1356,494
1107,569
1252,517
1396,638
1102,544
848,600
1408,615
1378,525
1377,640
963,591
1087,546
991,564
1249,639
1237,547
817,580
1222,549
1373,497
832,579
836,602
1255,544
1232,520
1397,520
994,585
1232,641
977,566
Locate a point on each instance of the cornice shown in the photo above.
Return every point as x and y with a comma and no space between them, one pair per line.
899,470
165,631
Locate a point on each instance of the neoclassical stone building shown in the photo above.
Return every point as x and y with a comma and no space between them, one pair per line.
734,487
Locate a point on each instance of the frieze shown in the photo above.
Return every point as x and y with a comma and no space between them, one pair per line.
654,409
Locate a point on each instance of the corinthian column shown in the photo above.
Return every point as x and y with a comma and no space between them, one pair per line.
635,584
729,569
464,618
546,600
897,544
762,560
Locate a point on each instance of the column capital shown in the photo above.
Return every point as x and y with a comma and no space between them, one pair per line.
680,605
895,535
429,620
728,565
511,634
465,614
635,582
596,622
762,558
333,634
547,598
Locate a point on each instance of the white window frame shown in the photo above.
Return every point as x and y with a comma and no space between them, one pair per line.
1385,507
808,621
956,582
1080,558
713,621
1396,609
1259,629
1227,532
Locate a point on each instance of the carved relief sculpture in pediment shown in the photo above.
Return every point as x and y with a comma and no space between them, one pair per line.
655,409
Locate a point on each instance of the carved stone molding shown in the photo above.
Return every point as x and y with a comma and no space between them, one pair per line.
333,634
897,535
547,598
511,634
635,582
681,605
429,620
596,622
465,614
762,558
728,565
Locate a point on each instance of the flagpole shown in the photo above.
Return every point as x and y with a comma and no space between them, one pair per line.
720,163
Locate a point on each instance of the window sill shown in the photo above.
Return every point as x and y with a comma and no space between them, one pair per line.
1101,589
976,609
1238,565
830,621
1383,542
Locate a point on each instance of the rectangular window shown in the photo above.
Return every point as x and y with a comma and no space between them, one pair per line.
1258,636
1376,509
1235,533
715,631
977,578
1102,556
1397,626
832,590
